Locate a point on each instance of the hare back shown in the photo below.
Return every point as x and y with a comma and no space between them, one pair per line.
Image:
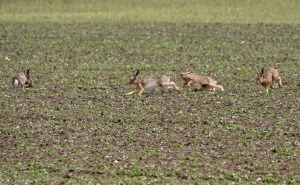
165,79
203,80
150,83
272,70
268,74
19,78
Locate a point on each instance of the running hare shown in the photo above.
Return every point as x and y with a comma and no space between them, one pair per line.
21,79
150,83
267,77
205,82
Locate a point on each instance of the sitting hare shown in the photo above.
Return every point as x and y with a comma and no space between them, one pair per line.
149,83
205,82
267,77
21,79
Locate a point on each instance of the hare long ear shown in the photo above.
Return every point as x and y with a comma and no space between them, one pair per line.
137,73
262,71
27,73
257,71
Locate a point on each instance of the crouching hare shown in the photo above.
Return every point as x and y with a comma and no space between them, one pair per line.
21,79
150,83
205,82
267,77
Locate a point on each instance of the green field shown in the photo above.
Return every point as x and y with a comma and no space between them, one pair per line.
229,11
75,126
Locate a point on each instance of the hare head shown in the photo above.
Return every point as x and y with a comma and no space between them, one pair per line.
185,75
259,77
28,80
134,79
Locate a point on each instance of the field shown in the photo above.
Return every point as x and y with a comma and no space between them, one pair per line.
237,11
75,126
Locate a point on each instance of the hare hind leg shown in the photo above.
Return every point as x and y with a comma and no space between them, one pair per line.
170,85
279,81
129,93
214,86
174,86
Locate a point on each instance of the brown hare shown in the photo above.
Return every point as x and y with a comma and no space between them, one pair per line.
267,77
150,83
205,82
21,79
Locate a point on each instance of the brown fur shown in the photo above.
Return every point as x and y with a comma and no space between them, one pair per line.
23,79
267,77
205,82
143,84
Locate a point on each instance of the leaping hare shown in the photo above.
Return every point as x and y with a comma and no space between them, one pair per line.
205,82
21,79
149,83
267,77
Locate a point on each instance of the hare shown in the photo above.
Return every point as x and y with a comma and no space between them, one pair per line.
267,77
149,83
205,82
21,79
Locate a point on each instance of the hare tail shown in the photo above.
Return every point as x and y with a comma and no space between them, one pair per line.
15,82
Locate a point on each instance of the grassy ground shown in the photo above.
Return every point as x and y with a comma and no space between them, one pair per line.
233,11
75,126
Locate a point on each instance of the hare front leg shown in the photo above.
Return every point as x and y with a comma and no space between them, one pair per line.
142,89
189,83
267,88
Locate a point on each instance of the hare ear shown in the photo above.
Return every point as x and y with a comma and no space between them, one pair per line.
137,73
262,71
27,73
257,71
188,72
